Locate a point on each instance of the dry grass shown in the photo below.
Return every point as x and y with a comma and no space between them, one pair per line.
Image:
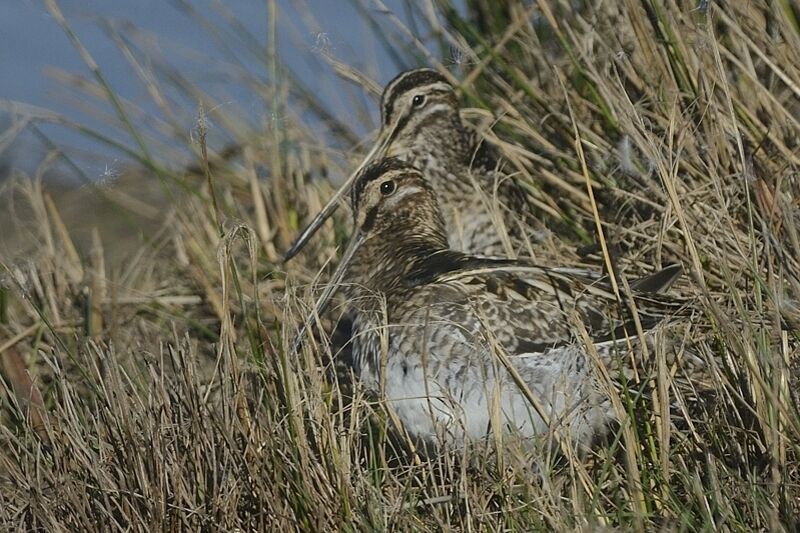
146,381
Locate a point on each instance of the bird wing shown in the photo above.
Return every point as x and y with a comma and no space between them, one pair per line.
530,308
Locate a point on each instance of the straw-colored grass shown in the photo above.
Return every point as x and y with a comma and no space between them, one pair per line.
147,381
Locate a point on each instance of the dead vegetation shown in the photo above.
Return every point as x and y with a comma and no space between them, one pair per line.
146,376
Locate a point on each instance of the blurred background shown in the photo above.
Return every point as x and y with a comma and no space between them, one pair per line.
199,52
104,100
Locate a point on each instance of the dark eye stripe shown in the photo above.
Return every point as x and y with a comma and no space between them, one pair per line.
369,220
399,129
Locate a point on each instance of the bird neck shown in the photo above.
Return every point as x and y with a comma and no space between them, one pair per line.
437,141
383,260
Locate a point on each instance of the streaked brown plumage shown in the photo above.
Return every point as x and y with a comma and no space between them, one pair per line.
445,337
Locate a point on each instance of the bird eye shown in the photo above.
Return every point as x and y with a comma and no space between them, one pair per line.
418,101
387,187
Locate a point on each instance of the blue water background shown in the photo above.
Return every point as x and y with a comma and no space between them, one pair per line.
33,47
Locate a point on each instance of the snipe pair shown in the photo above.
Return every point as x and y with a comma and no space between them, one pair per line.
485,211
462,346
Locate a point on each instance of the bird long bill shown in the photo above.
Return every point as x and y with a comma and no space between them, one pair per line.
330,289
333,203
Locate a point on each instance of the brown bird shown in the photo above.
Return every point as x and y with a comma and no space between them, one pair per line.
485,211
462,346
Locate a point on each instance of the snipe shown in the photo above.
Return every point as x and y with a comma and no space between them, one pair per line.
485,211
462,346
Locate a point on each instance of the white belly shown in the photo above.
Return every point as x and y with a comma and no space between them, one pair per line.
454,405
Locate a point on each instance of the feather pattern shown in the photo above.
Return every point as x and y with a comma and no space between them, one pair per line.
462,346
